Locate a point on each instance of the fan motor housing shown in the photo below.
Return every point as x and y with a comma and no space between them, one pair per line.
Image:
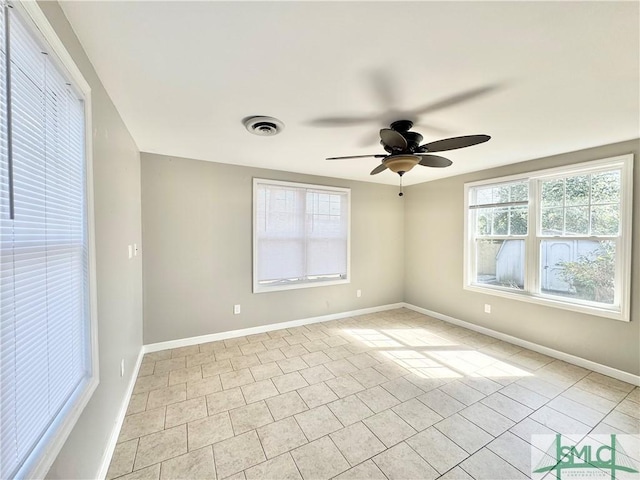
263,126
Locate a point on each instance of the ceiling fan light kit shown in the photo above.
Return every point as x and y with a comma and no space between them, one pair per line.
405,152
401,164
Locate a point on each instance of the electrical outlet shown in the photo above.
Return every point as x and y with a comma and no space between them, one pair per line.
122,367
358,293
236,309
487,308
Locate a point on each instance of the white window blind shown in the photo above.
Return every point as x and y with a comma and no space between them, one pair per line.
44,334
301,235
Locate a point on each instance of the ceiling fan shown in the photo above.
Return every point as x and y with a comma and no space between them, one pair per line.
405,152
387,97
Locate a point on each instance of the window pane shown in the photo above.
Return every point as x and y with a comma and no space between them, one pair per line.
605,187
280,259
500,262
484,196
484,220
581,205
326,254
520,192
501,221
552,193
280,229
577,221
552,221
605,220
580,269
518,220
577,190
501,194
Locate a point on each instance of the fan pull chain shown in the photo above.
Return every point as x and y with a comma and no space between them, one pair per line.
400,194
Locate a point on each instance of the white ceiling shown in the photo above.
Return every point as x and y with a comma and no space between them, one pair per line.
560,76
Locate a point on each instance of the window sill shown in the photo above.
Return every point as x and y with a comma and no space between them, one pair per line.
615,314
47,449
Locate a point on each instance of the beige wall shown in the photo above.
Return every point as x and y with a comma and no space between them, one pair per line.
117,218
197,255
434,220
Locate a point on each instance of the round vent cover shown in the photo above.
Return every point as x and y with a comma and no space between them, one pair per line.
263,126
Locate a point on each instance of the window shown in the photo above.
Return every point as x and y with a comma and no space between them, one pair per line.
559,237
300,235
47,339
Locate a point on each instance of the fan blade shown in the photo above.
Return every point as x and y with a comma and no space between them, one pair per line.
356,156
436,130
393,139
454,143
383,88
380,168
454,99
339,121
434,161
369,140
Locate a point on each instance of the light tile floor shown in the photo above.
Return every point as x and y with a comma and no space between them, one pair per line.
393,395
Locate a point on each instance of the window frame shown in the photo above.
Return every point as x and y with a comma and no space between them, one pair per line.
532,282
257,288
39,461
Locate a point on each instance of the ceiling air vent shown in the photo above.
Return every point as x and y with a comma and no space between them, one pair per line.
263,126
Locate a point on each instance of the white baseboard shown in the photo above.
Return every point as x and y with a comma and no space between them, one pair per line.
185,342
579,361
115,433
573,359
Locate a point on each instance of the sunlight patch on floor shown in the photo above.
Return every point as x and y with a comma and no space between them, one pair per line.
466,361
501,369
420,365
373,338
428,355
418,337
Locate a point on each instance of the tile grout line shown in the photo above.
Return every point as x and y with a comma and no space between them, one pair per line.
546,403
